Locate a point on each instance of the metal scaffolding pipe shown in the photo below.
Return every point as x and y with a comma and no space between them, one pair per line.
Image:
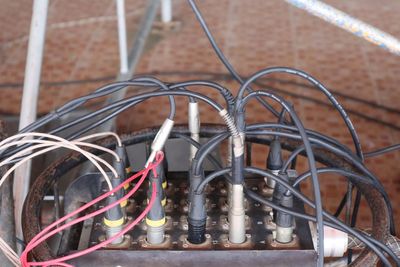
123,50
166,11
30,96
350,24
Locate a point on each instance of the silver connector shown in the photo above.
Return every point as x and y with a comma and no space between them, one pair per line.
284,234
111,231
155,234
194,126
270,182
160,139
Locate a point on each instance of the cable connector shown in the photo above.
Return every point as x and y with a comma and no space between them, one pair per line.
279,192
238,146
123,154
155,218
237,229
160,139
274,160
284,221
114,220
194,118
335,241
194,125
197,212
119,166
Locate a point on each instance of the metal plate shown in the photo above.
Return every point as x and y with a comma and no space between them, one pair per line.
276,258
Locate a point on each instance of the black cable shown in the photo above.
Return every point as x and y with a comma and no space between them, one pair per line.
205,149
128,101
372,243
224,172
335,222
340,153
292,157
112,88
322,88
345,200
382,151
209,156
341,205
348,157
222,57
357,202
348,174
326,215
240,104
75,103
315,134
319,85
252,130
224,92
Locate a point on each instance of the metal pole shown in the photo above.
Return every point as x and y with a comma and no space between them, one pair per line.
136,51
166,11
350,24
123,50
30,98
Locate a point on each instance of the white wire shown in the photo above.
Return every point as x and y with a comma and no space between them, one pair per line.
88,155
50,136
57,145
48,146
67,144
9,253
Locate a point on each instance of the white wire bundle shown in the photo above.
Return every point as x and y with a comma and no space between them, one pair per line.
47,146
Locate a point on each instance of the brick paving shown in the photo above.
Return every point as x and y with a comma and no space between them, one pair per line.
81,43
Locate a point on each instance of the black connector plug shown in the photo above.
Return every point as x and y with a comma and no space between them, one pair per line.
274,160
155,218
279,192
284,221
119,166
197,212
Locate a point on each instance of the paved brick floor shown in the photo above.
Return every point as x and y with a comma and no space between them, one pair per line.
81,43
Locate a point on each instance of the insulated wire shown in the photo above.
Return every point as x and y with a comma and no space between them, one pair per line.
336,223
42,236
240,104
222,57
382,151
49,146
9,253
319,85
73,145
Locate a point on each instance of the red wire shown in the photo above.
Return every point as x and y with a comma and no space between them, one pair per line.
43,236
106,242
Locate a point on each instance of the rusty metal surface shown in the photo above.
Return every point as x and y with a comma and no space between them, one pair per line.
276,258
7,225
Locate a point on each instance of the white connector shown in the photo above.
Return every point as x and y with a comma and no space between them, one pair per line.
160,139
271,182
194,126
284,234
335,241
237,228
